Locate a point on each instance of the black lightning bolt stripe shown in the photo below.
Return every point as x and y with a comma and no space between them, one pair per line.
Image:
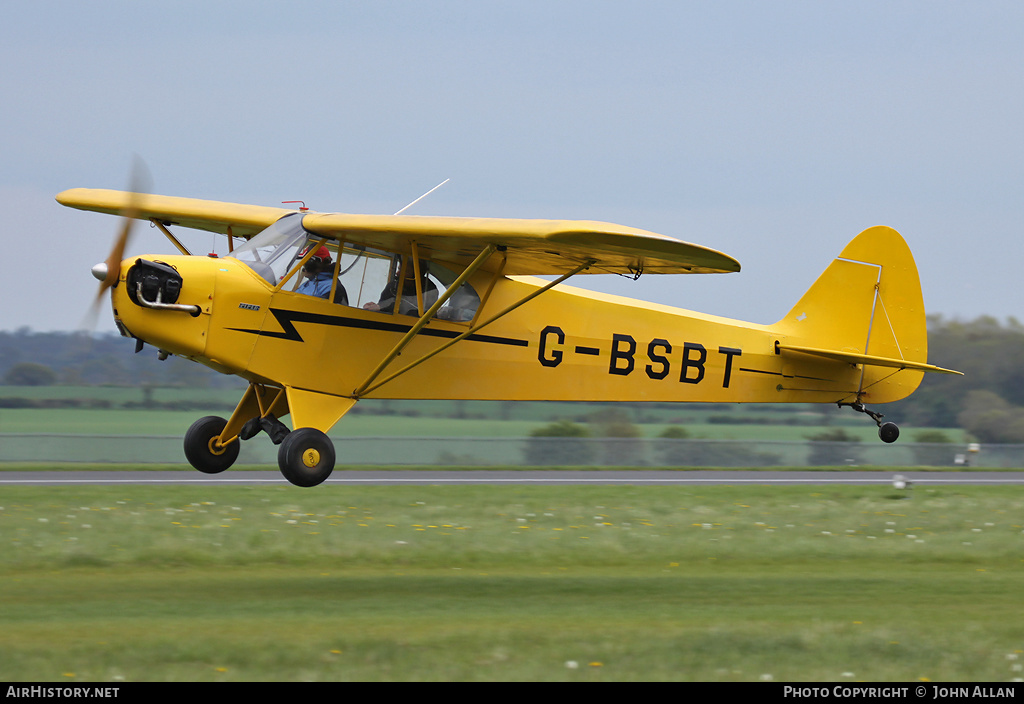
287,319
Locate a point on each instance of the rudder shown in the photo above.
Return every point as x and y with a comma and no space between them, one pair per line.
867,302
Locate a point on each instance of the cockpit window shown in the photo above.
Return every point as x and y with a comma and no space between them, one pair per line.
359,276
381,290
365,275
462,305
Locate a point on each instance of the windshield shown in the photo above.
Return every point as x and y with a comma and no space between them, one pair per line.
272,252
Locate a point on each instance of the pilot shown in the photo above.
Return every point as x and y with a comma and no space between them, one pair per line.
408,304
318,272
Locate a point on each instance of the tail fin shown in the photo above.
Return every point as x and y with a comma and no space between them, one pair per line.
866,309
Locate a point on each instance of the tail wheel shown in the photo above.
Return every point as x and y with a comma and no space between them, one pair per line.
888,432
306,457
203,449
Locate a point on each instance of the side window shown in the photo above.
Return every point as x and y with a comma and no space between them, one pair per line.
462,305
372,280
389,285
365,273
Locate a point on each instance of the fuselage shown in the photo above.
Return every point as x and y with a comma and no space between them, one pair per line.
566,344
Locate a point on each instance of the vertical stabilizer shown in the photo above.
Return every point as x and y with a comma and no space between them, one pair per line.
867,302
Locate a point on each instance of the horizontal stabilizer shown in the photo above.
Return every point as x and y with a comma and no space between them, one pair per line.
868,359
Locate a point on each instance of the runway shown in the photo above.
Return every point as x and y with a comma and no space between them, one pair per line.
522,478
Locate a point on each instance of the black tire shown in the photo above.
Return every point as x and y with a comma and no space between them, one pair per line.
199,451
888,432
306,457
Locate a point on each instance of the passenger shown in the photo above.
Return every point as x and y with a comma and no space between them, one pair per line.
461,306
408,304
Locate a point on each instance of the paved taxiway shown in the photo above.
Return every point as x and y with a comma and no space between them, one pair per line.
524,477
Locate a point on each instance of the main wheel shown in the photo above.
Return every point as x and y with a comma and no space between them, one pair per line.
888,432
201,449
306,457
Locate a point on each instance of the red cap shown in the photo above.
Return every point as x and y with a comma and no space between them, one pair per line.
322,253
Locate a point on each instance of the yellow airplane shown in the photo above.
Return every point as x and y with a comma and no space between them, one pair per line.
318,310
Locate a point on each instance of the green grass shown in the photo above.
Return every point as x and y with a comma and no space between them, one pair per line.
339,471
173,423
160,422
439,418
509,583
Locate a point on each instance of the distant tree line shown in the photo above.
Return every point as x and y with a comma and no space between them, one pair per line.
44,358
565,443
988,401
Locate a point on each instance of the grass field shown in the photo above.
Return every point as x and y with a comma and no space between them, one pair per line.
534,583
163,422
374,417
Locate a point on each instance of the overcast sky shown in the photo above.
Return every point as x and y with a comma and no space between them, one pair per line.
772,131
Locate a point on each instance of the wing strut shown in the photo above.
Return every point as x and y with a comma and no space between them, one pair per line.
366,388
172,238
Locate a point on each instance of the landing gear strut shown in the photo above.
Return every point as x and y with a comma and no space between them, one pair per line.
305,455
888,432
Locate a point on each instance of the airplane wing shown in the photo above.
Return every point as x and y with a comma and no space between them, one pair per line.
213,216
532,247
